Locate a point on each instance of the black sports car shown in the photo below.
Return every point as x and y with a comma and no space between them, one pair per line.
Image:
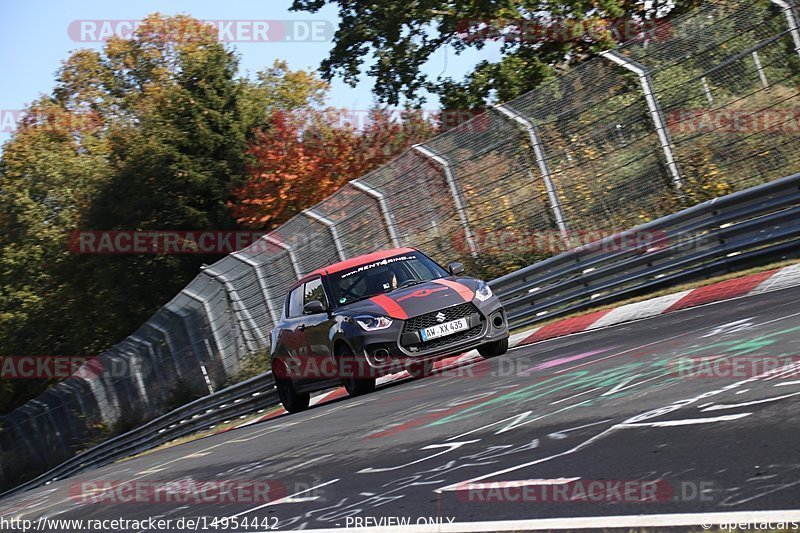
377,314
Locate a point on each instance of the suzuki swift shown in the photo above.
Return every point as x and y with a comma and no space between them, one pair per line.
376,314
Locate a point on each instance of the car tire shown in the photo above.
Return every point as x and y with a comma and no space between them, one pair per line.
420,369
354,385
493,349
293,401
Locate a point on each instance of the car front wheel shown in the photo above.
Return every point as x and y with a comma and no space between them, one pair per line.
493,349
292,401
353,379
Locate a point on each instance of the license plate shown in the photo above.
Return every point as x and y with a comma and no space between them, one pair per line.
446,328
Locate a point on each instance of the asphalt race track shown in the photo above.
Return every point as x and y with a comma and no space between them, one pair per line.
610,406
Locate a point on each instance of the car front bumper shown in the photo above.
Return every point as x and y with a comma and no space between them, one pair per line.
388,350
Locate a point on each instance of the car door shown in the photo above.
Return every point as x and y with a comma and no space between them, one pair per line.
314,330
289,336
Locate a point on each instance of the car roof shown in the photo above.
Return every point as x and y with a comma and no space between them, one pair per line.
355,262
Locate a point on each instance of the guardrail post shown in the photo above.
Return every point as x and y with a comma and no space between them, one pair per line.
791,21
264,289
451,182
655,110
387,215
292,257
536,143
337,241
229,287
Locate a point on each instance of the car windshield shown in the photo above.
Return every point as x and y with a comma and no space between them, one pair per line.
386,275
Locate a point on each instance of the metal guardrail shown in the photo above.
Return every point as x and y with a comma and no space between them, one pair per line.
717,236
720,235
232,402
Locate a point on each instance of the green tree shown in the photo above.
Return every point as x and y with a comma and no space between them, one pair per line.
149,133
400,37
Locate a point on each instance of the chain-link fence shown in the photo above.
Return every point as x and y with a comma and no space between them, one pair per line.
706,106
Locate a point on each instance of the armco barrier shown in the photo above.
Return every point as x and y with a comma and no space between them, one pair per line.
231,403
717,236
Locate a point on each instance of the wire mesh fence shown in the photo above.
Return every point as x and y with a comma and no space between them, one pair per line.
708,108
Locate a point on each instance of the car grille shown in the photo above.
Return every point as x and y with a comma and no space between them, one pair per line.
429,319
456,338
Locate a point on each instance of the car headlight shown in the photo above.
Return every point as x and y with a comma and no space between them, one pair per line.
372,323
483,292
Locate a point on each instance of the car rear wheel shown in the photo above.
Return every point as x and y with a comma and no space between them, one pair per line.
493,349
292,401
352,374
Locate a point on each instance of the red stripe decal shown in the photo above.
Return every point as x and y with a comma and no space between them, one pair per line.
462,290
391,307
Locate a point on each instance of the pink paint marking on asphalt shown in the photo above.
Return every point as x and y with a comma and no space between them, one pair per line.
564,360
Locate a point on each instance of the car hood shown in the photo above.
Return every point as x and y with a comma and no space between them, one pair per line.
417,299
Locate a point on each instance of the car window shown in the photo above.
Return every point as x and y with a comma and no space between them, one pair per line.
295,302
314,291
385,275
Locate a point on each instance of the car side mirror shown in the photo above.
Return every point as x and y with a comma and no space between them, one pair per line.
455,268
313,307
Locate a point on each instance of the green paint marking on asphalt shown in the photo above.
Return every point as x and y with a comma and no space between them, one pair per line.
582,380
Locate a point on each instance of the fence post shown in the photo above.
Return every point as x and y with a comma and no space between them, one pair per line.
313,215
387,215
207,307
791,21
214,333
237,303
552,195
264,289
655,110
451,182
760,70
707,90
290,250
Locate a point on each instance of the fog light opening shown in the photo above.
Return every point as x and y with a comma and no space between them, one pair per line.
380,355
497,321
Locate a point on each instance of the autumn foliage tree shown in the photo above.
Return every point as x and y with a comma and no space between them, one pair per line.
302,157
147,133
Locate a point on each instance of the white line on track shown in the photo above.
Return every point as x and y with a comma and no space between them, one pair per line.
287,499
510,484
306,463
685,422
575,395
745,404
